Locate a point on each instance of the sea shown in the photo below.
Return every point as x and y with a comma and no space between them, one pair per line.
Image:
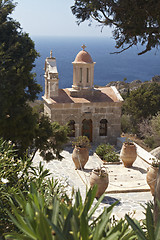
109,67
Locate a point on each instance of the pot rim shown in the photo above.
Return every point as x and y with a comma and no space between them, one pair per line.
80,147
105,174
155,168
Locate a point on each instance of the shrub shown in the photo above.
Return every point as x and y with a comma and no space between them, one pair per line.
126,124
142,102
16,175
101,150
149,141
111,157
107,153
150,131
155,125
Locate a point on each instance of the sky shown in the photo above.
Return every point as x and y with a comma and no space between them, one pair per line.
53,18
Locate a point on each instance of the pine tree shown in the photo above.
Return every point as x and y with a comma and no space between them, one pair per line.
133,21
17,82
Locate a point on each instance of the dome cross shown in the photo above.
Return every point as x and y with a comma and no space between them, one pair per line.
83,47
51,54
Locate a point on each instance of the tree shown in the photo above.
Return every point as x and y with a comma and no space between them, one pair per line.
142,102
17,82
134,21
49,139
19,123
155,126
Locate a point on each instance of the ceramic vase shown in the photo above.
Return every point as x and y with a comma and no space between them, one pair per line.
101,180
80,157
128,154
151,178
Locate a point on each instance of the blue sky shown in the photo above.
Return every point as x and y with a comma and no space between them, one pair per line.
53,18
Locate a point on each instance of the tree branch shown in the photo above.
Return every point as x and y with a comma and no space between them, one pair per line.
107,19
124,49
97,19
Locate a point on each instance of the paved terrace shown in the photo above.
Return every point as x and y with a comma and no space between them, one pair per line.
128,185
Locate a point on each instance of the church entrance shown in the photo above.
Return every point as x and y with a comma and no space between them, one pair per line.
87,128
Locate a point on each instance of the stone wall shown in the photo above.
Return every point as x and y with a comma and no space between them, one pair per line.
64,112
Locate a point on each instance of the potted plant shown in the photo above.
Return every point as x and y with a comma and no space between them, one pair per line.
128,153
80,153
152,174
99,177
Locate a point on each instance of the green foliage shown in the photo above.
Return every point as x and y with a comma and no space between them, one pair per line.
17,174
19,122
150,131
9,170
155,126
155,162
148,230
50,138
82,142
135,22
149,142
37,106
63,220
17,82
142,103
107,153
111,157
126,124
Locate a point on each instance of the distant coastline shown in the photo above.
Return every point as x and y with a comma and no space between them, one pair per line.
123,86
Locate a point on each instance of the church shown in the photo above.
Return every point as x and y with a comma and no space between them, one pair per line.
91,111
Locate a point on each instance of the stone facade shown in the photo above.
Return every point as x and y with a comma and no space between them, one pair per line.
94,112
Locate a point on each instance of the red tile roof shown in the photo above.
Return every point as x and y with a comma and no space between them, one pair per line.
106,95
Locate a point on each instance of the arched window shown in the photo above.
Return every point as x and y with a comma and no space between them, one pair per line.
103,127
87,128
71,125
80,75
87,75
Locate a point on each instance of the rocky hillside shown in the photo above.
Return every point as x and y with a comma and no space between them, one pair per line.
123,86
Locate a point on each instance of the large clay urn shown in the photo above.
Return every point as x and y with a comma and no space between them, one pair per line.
80,157
151,178
157,198
99,177
128,154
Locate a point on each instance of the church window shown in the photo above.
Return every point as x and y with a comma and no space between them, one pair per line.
47,89
80,75
87,75
71,126
103,127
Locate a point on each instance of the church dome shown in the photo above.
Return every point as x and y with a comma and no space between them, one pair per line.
83,56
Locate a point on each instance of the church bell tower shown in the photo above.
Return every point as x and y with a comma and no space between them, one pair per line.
51,77
83,71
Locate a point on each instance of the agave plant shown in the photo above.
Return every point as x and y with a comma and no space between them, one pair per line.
147,230
64,219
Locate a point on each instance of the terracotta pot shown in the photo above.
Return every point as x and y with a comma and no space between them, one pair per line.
80,157
151,178
156,212
101,182
128,154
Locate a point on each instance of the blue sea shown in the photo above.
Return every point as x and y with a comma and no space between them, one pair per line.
109,67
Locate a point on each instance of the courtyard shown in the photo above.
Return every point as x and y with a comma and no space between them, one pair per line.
126,185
